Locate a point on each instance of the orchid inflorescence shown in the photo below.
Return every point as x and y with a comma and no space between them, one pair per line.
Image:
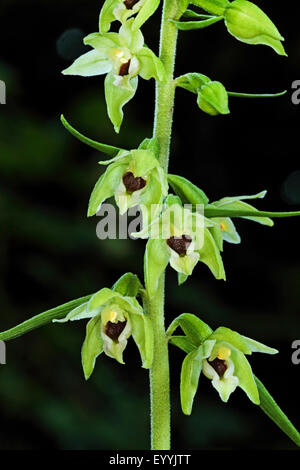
182,226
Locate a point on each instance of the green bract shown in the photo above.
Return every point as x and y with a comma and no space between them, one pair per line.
132,177
217,7
248,23
121,10
182,238
122,57
113,319
225,228
221,357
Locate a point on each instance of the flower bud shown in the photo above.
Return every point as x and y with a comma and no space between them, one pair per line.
249,24
213,99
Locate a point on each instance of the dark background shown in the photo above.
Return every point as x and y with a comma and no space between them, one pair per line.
49,252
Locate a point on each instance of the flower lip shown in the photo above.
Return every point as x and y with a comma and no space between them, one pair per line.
219,365
124,68
133,183
129,4
113,330
180,244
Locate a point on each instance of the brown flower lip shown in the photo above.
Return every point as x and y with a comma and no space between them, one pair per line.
133,183
130,3
180,244
124,69
113,330
219,365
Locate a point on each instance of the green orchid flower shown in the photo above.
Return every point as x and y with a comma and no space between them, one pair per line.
123,57
134,178
121,10
220,354
225,230
182,238
113,319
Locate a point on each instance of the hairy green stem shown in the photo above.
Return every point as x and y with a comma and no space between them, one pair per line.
159,372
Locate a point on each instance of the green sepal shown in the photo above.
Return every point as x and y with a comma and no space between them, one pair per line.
151,144
210,255
116,97
182,342
142,333
243,371
104,148
187,191
217,7
128,285
255,346
106,15
106,186
272,410
92,346
213,99
150,65
42,319
248,23
189,379
232,337
147,10
195,329
181,277
191,25
155,262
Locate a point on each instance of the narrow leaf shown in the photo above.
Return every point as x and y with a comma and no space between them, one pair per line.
108,149
256,95
219,212
193,14
42,319
190,25
270,407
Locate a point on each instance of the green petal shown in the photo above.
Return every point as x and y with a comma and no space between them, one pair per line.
228,231
156,260
133,39
255,346
92,346
196,330
106,186
150,65
182,342
243,371
99,299
147,10
231,337
106,15
187,191
210,255
190,373
103,42
90,64
128,285
143,162
142,333
116,97
77,313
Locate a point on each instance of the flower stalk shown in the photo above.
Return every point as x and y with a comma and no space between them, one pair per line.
164,107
